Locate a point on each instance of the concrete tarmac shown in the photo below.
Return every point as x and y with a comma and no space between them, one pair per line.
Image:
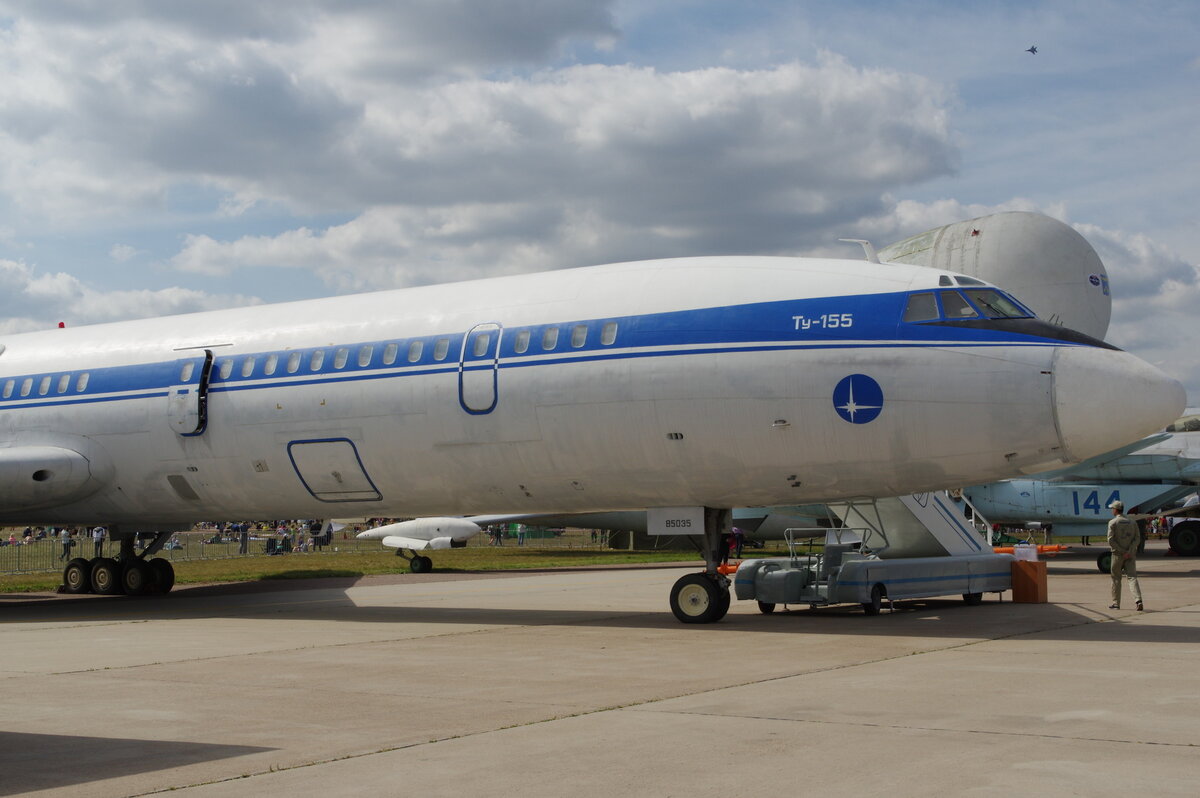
581,683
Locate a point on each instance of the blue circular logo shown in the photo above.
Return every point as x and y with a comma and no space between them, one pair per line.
858,399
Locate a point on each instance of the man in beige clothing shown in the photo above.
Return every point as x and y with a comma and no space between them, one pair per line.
1123,539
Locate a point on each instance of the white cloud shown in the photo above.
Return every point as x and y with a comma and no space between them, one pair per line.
123,252
334,109
108,105
593,164
1156,294
30,300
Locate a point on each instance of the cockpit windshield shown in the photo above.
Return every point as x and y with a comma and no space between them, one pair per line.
964,304
955,307
996,305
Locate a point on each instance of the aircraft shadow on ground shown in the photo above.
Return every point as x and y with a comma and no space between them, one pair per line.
31,762
326,600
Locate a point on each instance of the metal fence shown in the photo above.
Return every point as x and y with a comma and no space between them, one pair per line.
46,555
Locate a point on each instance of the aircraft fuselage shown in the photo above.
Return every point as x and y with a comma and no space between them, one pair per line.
715,382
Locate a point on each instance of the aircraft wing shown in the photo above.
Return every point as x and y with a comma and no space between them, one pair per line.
1081,471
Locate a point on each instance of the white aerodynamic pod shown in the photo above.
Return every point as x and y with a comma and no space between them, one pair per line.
1044,263
423,533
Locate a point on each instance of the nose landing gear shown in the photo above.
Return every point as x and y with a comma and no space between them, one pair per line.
704,597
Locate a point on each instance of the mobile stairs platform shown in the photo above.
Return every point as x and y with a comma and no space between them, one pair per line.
880,550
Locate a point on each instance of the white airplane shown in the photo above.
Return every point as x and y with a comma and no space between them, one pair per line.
420,534
701,383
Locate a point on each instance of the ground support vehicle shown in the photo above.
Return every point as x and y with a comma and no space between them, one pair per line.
846,574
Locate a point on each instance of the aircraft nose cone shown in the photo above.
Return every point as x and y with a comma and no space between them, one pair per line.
1104,399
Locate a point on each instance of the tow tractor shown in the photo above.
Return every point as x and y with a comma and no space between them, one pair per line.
854,568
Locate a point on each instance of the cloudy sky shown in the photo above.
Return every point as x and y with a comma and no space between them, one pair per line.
163,156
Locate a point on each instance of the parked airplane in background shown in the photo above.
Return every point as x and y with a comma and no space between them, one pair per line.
423,533
1149,477
1045,263
692,385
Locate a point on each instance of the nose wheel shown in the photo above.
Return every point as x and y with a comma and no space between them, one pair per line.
699,598
417,563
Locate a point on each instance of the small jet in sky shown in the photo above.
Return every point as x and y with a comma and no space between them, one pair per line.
1032,50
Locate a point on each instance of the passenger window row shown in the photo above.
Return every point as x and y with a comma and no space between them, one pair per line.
292,362
579,335
314,361
45,385
364,356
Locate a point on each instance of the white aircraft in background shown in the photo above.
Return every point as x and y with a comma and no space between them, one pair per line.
699,384
423,533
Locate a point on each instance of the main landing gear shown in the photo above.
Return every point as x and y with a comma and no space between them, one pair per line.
416,563
130,573
704,597
1185,538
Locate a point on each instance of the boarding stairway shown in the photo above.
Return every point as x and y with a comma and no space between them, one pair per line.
919,525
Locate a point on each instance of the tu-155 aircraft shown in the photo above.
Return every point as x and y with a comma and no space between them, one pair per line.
698,384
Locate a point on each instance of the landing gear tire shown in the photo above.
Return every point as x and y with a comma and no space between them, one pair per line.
164,574
1104,562
766,607
137,578
420,565
106,576
875,604
723,602
972,599
77,576
1185,538
696,598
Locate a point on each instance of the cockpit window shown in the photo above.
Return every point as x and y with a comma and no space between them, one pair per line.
921,307
958,278
954,306
995,305
970,304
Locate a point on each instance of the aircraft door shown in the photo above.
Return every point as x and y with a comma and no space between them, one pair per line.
478,369
187,400
332,470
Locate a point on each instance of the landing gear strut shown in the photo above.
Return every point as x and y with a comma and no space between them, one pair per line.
704,597
416,563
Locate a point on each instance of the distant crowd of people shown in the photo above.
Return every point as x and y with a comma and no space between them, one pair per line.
68,537
280,536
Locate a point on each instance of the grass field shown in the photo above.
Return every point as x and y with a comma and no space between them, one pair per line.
358,558
381,561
